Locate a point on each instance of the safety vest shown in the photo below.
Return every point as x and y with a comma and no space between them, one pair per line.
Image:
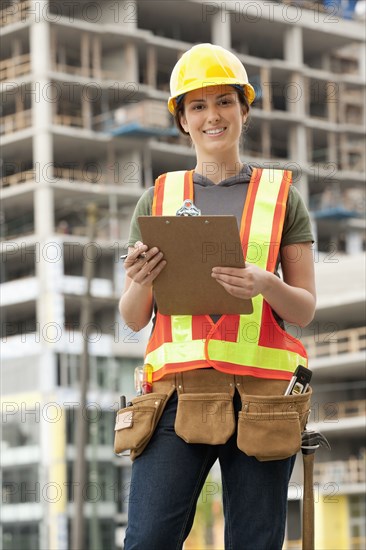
252,344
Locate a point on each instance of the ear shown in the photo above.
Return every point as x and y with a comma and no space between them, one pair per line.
245,116
183,122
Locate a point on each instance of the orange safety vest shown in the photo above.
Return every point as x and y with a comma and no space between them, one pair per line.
252,344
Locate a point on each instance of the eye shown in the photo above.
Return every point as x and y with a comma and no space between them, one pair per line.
198,107
226,101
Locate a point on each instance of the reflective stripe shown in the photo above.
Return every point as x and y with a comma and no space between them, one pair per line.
181,328
262,218
265,201
255,356
173,352
173,193
278,221
227,352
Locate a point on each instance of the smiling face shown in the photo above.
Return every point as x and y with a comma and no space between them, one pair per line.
213,117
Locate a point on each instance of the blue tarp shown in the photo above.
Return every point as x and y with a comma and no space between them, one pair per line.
335,212
135,129
343,8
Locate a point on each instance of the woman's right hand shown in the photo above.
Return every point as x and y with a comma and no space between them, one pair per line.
144,270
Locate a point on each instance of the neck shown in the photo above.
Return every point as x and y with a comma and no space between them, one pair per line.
218,169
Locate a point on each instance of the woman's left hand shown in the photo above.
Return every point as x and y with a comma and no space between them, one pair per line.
242,282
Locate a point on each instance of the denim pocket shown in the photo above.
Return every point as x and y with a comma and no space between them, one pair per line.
205,418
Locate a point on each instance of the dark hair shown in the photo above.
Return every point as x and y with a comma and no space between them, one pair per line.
179,109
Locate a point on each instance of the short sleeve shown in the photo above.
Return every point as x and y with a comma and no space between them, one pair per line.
143,208
297,225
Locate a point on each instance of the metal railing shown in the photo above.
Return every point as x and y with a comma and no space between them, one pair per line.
18,177
333,411
75,121
72,174
15,122
13,13
335,343
341,472
14,67
87,72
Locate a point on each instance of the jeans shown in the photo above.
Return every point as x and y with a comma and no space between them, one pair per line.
167,479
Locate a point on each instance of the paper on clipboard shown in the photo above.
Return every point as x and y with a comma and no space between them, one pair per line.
192,246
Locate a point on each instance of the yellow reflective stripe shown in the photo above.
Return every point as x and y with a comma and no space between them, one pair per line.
250,325
176,352
258,251
173,192
227,352
262,218
255,356
181,328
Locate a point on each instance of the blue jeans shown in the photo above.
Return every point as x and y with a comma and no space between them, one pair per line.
167,479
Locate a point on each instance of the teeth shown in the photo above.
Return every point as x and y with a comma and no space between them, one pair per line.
217,131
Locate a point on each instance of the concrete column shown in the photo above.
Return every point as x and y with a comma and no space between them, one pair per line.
354,242
42,121
266,139
265,77
362,60
49,264
332,148
298,153
147,168
220,29
151,66
16,50
85,53
53,47
97,57
130,73
343,147
293,48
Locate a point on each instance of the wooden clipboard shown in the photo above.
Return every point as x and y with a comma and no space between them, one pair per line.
192,246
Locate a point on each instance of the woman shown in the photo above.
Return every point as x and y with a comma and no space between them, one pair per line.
210,98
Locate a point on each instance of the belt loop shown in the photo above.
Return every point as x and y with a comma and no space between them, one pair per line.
238,379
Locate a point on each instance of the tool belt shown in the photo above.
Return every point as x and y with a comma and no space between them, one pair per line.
269,425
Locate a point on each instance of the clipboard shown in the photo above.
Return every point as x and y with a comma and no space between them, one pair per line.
192,246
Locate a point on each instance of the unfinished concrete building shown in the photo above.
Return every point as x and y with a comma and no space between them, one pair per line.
84,88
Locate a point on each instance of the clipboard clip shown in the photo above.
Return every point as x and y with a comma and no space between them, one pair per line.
188,209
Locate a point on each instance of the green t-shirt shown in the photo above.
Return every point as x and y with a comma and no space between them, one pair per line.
228,197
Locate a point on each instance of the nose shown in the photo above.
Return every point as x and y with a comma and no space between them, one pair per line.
213,114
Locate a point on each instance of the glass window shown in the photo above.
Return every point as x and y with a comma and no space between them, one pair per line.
357,514
101,421
124,485
125,374
110,373
20,485
103,529
101,486
18,432
21,535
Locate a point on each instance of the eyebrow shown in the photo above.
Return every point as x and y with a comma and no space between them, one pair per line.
218,97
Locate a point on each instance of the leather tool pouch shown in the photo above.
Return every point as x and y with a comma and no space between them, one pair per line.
135,424
270,426
205,412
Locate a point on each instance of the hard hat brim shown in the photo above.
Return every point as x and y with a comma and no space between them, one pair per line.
248,89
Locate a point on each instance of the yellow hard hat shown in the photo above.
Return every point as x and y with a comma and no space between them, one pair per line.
207,65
